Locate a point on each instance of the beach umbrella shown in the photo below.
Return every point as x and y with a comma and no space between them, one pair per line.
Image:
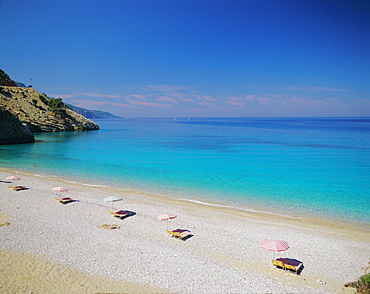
13,178
166,216
60,189
274,245
112,199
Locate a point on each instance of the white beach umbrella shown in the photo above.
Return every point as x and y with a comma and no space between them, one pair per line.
112,199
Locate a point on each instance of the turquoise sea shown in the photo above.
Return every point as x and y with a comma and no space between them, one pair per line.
290,166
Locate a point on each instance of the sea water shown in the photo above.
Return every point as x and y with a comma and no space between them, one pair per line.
290,166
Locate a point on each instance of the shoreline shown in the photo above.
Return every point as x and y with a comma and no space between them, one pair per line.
223,255
309,220
270,207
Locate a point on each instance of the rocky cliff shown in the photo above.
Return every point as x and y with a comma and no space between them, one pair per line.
40,113
12,130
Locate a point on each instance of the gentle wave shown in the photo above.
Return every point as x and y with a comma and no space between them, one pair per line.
84,184
238,208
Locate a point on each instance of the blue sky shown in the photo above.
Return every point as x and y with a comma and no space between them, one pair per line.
192,58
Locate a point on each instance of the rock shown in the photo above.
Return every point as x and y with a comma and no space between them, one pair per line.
12,130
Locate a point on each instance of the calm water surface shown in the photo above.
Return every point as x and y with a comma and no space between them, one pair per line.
318,166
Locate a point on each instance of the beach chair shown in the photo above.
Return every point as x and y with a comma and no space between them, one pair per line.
64,200
278,264
179,233
121,214
294,268
18,188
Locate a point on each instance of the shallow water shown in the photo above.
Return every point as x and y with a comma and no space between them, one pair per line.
315,166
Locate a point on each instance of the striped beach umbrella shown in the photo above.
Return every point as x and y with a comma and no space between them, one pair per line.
166,216
274,245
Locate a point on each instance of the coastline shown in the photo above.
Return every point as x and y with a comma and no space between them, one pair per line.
301,218
224,245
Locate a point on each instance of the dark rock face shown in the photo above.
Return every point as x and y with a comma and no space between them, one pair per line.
12,130
5,80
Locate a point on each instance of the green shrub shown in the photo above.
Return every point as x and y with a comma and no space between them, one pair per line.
34,101
44,99
365,279
56,105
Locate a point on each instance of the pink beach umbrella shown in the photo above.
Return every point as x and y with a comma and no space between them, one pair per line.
274,245
13,178
60,189
166,216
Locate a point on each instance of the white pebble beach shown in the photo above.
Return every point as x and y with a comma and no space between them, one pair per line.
49,247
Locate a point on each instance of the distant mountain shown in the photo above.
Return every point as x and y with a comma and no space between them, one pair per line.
92,114
19,84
